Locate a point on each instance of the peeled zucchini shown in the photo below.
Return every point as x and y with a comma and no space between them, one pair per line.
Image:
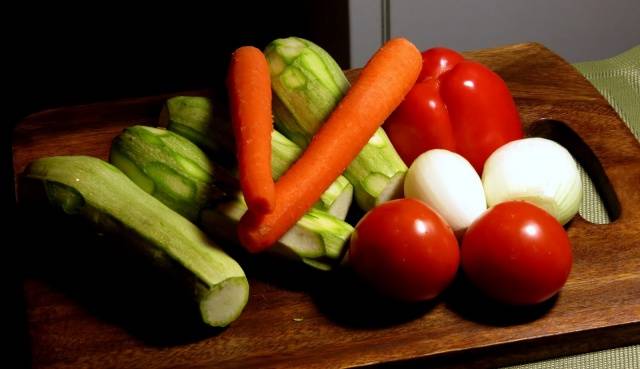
101,193
317,239
168,166
193,117
308,84
196,118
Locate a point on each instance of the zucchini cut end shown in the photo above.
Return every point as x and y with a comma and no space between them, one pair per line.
394,189
340,206
224,302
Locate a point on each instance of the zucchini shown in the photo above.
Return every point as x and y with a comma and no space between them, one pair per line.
99,192
335,200
308,84
316,238
167,166
193,118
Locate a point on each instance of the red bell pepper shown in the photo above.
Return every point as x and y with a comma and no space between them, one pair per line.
458,105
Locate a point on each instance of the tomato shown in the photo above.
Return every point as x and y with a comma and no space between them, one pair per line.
457,105
517,253
405,250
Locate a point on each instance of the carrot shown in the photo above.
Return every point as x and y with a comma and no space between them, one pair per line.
249,86
382,85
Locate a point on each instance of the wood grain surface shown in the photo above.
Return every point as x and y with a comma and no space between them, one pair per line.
98,311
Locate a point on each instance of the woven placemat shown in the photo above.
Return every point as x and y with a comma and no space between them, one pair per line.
618,80
619,358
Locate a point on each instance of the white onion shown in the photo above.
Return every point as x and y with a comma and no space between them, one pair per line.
537,170
448,183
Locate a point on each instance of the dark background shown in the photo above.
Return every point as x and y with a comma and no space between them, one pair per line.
63,58
76,55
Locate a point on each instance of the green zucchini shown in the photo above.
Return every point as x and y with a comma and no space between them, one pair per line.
308,84
317,236
101,193
318,239
168,166
193,117
335,200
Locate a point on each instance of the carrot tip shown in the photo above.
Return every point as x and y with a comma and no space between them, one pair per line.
261,205
247,233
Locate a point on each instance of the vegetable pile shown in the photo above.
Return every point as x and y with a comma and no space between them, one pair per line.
384,81
428,144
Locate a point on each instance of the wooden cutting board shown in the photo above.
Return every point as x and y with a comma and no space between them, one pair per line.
299,318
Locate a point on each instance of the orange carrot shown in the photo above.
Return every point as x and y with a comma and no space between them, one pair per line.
249,85
382,85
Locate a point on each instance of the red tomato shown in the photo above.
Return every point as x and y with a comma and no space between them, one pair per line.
405,250
517,253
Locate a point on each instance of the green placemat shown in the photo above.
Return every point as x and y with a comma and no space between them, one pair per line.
618,80
619,358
